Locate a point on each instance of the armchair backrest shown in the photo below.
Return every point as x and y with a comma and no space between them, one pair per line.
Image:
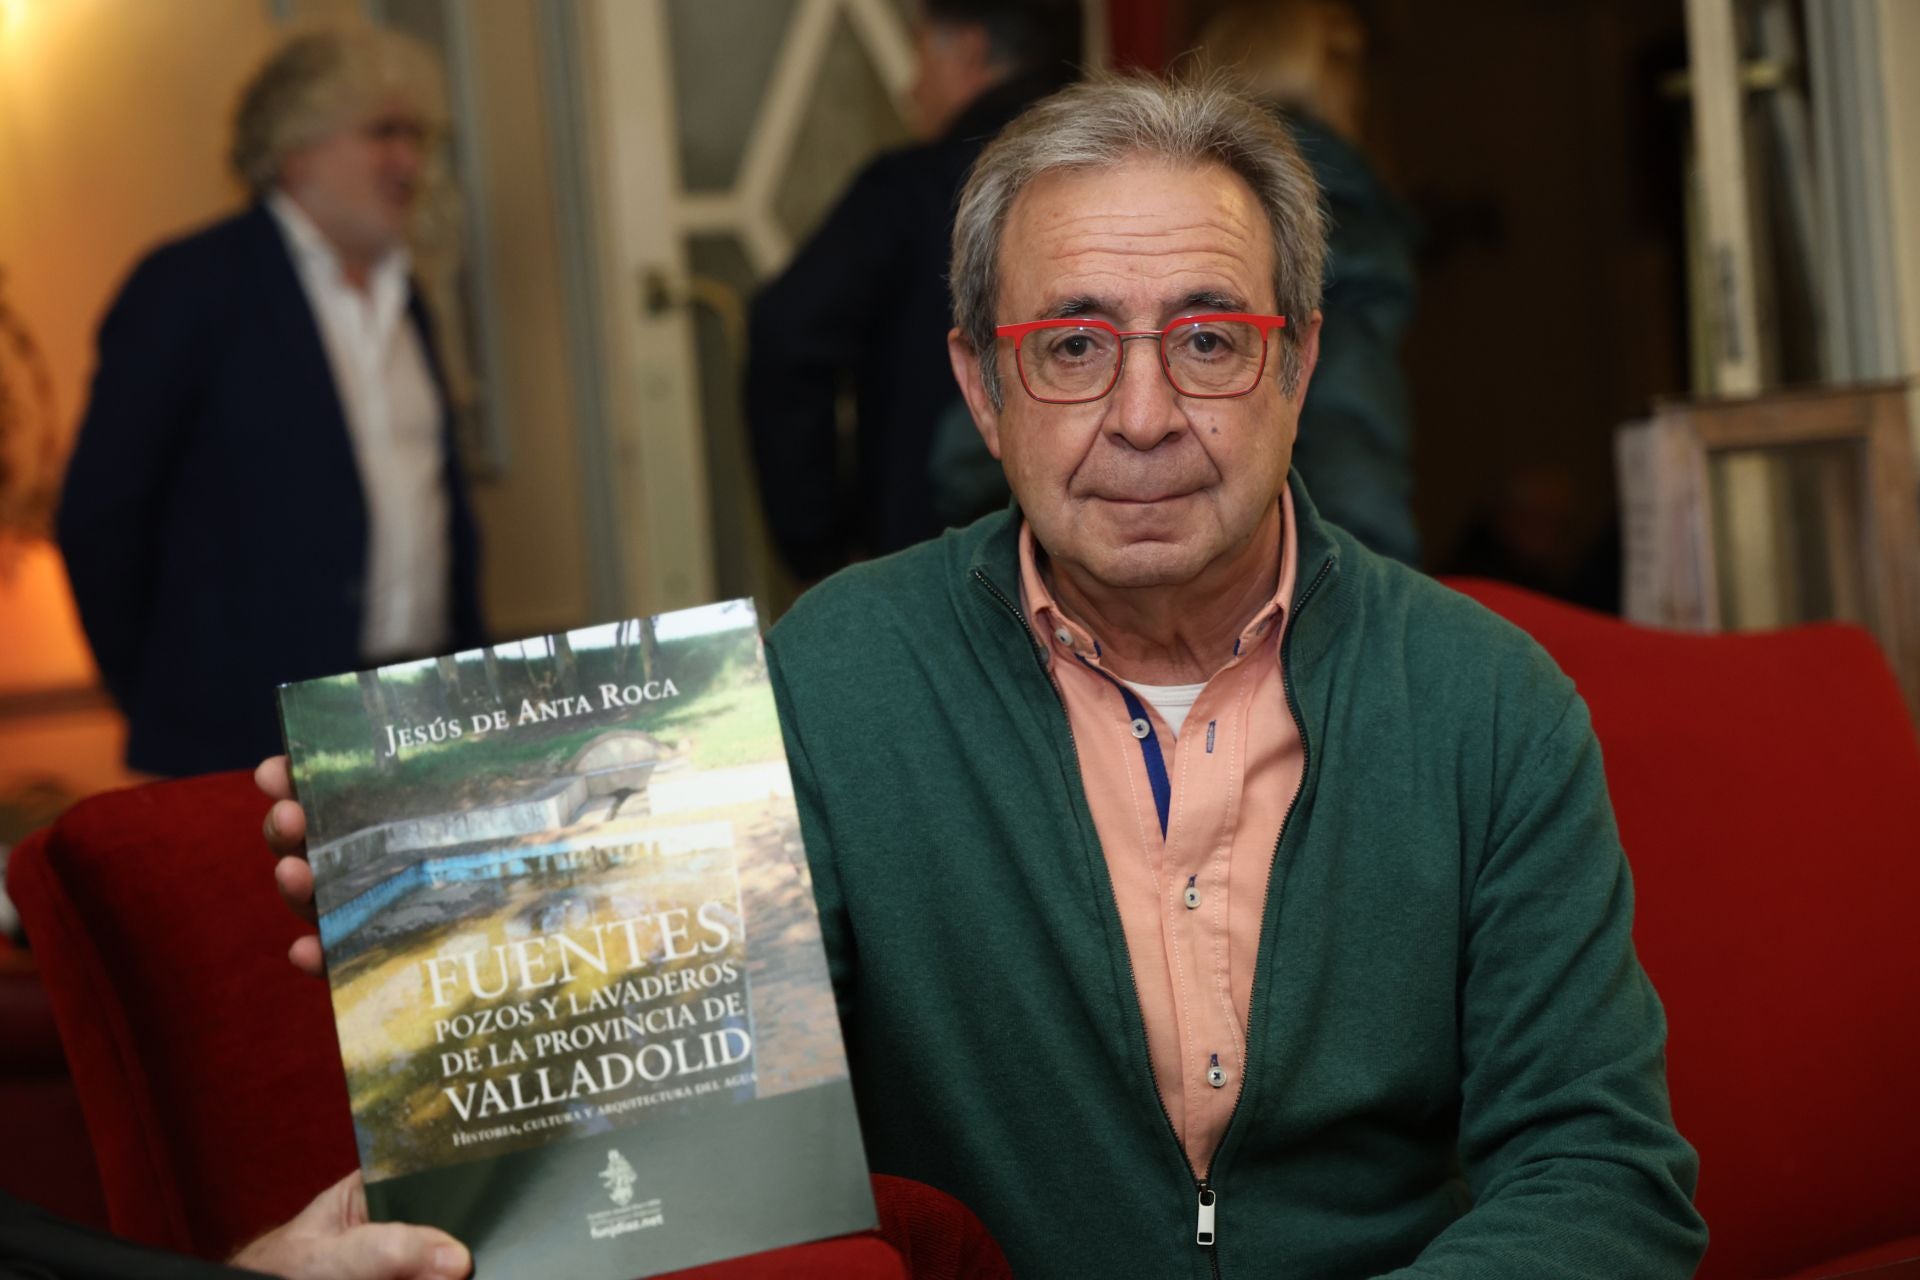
1768,793
206,1066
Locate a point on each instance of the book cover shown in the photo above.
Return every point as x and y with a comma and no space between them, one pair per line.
573,950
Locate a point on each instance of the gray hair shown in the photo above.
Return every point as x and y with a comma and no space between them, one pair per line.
318,83
1104,122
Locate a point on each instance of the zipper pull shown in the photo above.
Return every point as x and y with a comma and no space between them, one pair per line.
1204,1235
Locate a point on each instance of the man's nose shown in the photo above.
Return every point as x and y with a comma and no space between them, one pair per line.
1143,409
407,155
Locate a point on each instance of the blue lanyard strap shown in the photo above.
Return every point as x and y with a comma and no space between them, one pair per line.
1149,749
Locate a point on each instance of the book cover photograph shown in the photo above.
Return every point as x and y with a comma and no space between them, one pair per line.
576,967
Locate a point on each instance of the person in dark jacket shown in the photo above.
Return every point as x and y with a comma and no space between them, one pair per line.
865,301
268,398
1305,60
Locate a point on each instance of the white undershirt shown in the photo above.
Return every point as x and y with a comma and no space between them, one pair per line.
1172,701
393,415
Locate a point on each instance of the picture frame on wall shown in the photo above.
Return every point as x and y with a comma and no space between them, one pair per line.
1800,506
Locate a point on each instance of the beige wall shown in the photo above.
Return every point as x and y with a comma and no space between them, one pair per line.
113,120
536,563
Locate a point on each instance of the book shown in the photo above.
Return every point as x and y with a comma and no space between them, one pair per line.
576,967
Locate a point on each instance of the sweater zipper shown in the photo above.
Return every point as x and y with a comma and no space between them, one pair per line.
1203,1223
1206,1195
1209,1197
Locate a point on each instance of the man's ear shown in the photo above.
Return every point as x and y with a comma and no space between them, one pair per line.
1309,353
966,372
292,172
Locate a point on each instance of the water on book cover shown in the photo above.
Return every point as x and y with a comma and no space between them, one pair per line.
576,968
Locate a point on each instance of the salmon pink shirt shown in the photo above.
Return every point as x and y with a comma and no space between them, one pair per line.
1189,826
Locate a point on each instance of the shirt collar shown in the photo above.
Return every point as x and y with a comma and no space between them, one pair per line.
1059,633
316,253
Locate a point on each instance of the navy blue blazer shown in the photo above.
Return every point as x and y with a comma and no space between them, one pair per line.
866,297
212,519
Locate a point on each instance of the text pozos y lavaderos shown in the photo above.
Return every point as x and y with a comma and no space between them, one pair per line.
528,966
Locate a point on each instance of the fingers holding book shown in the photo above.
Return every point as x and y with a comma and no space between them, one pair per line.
285,830
332,1239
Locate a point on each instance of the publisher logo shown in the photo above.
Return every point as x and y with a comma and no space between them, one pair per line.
618,1178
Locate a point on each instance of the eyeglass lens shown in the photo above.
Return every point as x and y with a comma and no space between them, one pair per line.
1212,358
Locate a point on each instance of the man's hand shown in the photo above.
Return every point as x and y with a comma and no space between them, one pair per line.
286,832
331,1239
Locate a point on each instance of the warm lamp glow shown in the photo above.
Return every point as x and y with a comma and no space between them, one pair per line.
12,13
41,644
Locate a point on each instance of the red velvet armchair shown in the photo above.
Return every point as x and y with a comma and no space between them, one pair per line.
1768,792
208,1069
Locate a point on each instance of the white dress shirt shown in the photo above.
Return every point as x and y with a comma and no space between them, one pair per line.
393,415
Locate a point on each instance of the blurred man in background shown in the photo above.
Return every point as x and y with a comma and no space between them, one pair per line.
865,302
268,397
1306,59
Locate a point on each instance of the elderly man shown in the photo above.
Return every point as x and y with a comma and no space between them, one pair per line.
1204,893
267,394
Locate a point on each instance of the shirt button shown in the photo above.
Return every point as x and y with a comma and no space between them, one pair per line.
1193,898
1064,636
1217,1076
1141,728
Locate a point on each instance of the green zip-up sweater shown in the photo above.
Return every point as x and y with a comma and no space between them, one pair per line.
1455,1062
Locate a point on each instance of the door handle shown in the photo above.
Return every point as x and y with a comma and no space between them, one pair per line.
661,292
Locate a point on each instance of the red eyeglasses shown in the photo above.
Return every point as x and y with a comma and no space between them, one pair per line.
1074,361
